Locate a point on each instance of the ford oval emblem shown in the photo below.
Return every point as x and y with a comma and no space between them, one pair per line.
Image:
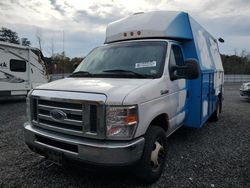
58,115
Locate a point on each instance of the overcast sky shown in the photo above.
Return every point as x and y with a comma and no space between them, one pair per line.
84,21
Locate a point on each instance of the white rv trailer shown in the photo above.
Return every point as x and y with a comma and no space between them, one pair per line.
21,69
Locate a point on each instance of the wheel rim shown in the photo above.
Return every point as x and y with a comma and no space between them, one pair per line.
157,155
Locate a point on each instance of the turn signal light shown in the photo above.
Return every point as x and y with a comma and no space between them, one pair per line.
131,119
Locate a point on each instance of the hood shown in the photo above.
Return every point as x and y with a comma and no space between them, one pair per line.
115,89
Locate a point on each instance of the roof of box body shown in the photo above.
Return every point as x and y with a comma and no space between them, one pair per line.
156,24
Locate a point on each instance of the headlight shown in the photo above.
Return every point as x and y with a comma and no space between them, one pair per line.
121,121
28,105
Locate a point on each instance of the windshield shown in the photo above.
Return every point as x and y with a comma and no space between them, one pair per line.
129,59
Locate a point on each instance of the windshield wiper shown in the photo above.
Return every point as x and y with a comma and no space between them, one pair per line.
80,74
129,72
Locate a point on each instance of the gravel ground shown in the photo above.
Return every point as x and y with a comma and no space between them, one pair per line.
217,155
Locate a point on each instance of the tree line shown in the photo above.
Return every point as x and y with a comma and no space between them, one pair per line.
59,64
236,64
7,35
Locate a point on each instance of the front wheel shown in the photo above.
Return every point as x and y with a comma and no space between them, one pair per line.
153,159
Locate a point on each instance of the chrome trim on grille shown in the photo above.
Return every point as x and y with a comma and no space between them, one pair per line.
57,129
66,121
70,111
77,114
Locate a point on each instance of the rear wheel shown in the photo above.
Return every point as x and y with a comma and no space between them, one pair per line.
216,115
153,159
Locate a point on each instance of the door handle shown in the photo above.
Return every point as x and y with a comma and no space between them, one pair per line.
163,92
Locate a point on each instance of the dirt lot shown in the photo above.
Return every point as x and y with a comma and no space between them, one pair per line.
217,155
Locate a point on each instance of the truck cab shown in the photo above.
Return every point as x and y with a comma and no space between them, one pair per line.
156,72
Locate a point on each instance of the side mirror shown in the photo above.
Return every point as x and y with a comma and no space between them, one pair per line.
221,40
192,71
188,71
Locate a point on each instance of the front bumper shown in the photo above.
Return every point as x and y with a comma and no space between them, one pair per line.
245,93
100,152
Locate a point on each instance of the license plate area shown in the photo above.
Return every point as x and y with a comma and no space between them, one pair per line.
55,156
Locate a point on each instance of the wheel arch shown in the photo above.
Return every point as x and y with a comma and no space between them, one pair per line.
160,120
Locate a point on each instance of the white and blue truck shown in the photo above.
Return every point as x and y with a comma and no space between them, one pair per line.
156,72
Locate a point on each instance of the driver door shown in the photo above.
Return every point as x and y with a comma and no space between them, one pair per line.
177,88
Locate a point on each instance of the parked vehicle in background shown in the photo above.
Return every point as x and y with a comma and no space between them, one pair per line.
22,68
245,89
156,72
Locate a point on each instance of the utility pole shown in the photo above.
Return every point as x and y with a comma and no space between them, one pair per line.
63,54
39,39
40,46
54,65
52,48
39,42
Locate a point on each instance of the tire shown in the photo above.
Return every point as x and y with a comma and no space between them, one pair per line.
216,115
153,158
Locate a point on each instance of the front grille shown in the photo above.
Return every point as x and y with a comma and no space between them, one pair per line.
93,120
81,118
60,125
72,106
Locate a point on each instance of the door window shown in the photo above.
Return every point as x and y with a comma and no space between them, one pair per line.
176,59
176,56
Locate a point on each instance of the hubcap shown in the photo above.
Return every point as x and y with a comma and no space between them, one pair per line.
156,155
